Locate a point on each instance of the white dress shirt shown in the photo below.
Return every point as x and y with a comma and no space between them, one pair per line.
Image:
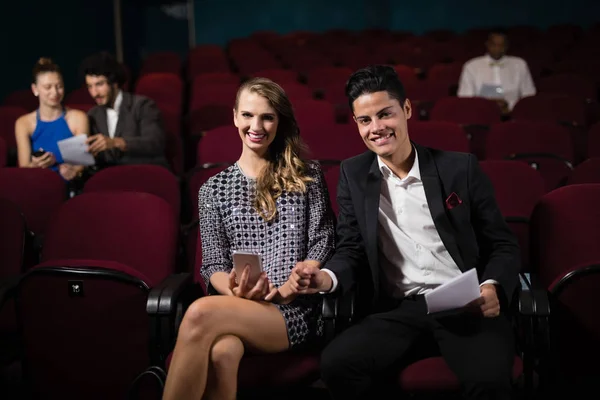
510,73
412,256
112,115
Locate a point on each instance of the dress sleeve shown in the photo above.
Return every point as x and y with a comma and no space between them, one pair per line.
216,250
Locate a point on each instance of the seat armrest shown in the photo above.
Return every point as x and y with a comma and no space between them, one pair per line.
166,306
533,297
163,298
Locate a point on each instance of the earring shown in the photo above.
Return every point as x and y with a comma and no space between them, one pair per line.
36,94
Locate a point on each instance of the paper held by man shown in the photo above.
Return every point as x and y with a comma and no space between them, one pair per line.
74,151
456,293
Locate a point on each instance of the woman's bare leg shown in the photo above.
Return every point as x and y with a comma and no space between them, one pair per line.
225,356
258,325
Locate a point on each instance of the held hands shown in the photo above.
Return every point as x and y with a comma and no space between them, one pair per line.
309,279
488,304
46,160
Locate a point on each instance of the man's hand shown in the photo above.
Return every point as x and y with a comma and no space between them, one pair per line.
99,142
490,306
318,281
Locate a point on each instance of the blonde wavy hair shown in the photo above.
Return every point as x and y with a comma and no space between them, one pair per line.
286,171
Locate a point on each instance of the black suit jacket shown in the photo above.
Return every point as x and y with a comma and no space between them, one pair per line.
474,232
140,125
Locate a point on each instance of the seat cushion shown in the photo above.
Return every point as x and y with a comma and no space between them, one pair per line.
433,375
282,369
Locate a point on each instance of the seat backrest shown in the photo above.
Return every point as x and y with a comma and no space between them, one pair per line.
550,107
39,193
3,152
280,76
12,239
151,179
593,145
332,176
465,110
544,145
219,145
8,117
518,188
23,99
570,84
166,89
132,228
79,96
586,172
215,94
565,228
447,136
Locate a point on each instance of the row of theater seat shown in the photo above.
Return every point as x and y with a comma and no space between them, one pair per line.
97,306
529,130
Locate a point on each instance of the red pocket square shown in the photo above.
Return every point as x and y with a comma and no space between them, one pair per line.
453,201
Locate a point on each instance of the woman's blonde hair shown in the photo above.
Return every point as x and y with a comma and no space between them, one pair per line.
286,170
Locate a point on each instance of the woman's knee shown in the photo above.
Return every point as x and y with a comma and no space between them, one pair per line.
226,353
198,319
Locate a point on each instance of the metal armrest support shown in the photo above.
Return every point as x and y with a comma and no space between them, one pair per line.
533,313
337,312
7,288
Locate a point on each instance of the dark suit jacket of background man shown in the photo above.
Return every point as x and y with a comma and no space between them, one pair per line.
140,125
474,231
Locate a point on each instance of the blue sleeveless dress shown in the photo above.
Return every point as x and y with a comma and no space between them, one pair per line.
48,133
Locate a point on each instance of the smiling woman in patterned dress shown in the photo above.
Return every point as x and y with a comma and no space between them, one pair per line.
271,202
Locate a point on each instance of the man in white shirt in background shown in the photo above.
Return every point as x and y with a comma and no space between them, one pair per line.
497,76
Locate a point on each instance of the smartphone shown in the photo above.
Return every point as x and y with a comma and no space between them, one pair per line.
38,153
243,258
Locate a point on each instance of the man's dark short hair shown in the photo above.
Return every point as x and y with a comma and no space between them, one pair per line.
498,31
375,78
104,64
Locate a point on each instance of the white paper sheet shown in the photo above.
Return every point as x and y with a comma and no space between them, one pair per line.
74,151
455,293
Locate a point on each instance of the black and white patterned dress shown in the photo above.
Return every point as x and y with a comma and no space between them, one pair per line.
302,230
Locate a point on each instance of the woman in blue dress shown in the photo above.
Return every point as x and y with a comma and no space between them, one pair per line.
38,132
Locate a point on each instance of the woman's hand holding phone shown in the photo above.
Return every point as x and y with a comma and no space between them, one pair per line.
43,159
241,288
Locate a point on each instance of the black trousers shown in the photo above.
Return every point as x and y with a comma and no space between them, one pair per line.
480,351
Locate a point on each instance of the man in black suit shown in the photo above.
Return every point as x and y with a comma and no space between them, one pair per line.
126,128
410,219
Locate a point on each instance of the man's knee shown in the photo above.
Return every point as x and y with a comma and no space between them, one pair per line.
492,381
226,353
335,360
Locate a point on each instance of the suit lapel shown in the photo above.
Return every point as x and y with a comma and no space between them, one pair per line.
372,192
436,200
123,110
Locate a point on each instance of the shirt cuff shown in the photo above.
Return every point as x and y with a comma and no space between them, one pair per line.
489,282
333,279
